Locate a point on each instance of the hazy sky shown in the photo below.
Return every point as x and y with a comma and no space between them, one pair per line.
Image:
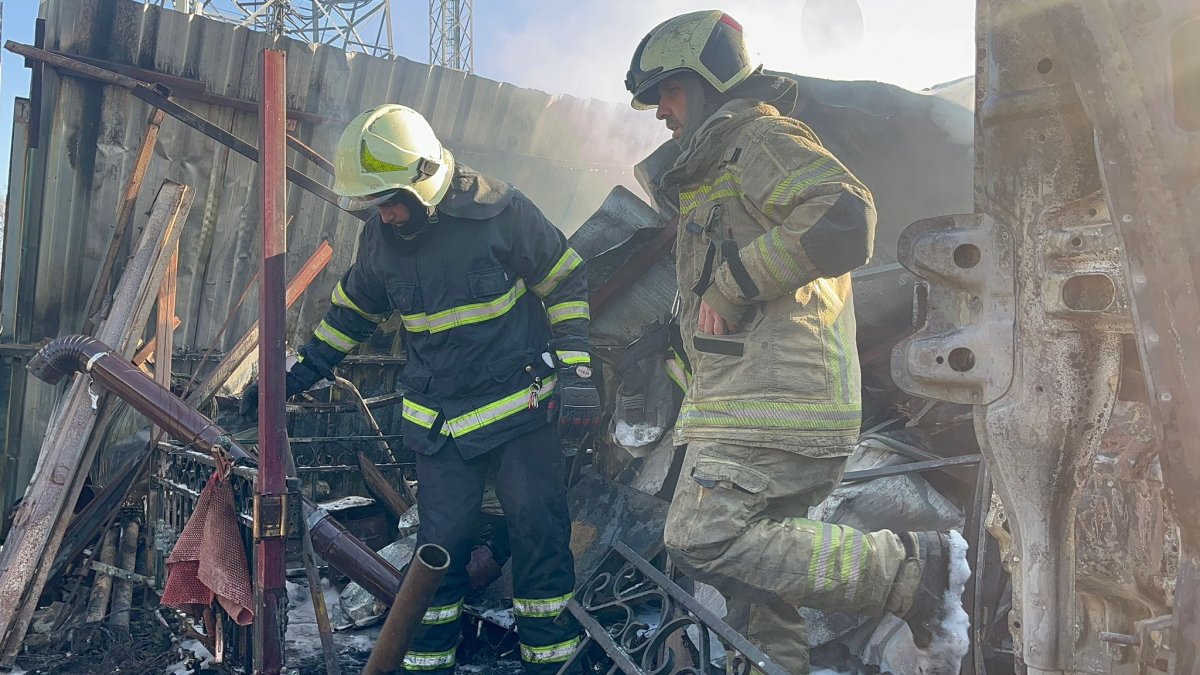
583,47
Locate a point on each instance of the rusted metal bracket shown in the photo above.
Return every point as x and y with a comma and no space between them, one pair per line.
121,573
1152,638
962,349
275,516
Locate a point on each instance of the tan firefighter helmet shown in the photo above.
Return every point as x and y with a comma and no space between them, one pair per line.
708,43
388,148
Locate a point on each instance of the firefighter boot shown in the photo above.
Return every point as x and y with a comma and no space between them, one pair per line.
931,550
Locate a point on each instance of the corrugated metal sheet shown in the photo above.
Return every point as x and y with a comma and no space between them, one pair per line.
566,153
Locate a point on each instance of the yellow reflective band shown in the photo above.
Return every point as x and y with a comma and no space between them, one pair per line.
480,417
464,315
429,660
543,608
819,171
677,372
726,184
774,415
574,358
436,616
558,653
494,412
561,270
779,262
852,564
565,311
335,338
418,414
824,555
341,299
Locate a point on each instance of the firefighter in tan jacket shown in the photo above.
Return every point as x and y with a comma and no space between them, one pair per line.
770,226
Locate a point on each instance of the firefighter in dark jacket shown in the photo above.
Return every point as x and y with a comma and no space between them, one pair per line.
494,305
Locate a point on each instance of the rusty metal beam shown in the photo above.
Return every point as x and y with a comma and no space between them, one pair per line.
270,593
310,154
246,344
156,97
141,162
41,521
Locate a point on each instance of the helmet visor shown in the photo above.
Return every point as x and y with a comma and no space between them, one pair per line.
372,200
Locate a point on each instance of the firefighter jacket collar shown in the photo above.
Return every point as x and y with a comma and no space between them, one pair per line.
474,196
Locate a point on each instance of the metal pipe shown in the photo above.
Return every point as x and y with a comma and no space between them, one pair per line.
123,593
338,547
102,586
81,353
425,573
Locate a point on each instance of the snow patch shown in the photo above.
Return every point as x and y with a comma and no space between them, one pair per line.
827,671
950,638
198,649
636,435
501,617
350,502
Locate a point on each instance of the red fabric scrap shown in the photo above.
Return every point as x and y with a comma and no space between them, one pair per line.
209,560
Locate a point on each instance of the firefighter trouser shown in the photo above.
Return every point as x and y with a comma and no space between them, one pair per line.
738,522
529,484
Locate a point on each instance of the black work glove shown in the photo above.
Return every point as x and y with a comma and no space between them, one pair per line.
298,379
580,406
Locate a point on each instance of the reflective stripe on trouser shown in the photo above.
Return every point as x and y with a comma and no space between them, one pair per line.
528,481
718,528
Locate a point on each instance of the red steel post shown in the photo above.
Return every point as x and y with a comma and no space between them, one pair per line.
271,484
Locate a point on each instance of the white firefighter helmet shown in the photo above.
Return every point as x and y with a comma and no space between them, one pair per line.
388,148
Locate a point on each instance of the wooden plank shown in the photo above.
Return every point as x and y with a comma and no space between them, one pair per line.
166,321
67,450
147,351
133,186
381,487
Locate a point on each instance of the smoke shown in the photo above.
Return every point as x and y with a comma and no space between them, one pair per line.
583,48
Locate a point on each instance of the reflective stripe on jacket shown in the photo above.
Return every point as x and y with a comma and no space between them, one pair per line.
489,288
776,223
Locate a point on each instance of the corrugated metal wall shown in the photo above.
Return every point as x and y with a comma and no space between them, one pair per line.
564,152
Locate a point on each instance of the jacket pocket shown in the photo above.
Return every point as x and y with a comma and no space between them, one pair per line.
416,379
505,368
488,283
403,296
711,472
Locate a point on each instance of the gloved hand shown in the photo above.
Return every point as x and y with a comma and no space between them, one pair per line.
298,379
580,403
